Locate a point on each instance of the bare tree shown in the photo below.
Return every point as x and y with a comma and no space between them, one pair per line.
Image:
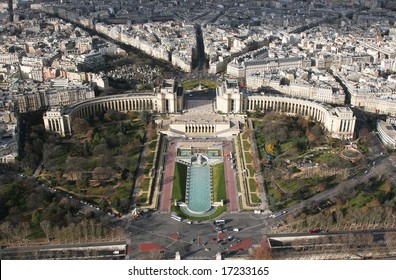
46,227
6,228
79,232
80,126
92,225
262,252
25,230
17,233
57,233
85,230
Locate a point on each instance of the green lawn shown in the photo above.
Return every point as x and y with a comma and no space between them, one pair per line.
245,136
252,185
260,139
147,169
246,145
194,83
378,191
150,157
219,186
290,185
219,210
275,192
146,184
255,198
326,158
362,199
262,152
179,183
124,190
142,199
152,145
248,157
251,170
287,145
258,124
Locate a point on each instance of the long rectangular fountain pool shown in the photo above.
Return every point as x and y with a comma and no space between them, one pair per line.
199,188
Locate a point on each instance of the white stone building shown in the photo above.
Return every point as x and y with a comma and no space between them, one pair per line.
168,99
339,122
387,132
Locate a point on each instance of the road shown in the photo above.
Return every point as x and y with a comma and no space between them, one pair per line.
195,241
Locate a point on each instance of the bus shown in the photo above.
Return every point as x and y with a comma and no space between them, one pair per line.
176,218
219,222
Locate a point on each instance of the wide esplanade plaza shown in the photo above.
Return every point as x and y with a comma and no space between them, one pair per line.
200,164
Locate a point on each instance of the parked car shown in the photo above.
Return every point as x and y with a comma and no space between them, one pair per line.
316,230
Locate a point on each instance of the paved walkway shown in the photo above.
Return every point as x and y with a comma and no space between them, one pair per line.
169,173
139,178
231,188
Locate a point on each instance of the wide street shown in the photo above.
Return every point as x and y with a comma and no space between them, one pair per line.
193,241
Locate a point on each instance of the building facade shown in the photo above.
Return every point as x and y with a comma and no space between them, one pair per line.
229,97
387,132
339,122
244,69
168,99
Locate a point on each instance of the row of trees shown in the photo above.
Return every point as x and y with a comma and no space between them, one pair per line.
360,243
362,207
84,231
29,211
